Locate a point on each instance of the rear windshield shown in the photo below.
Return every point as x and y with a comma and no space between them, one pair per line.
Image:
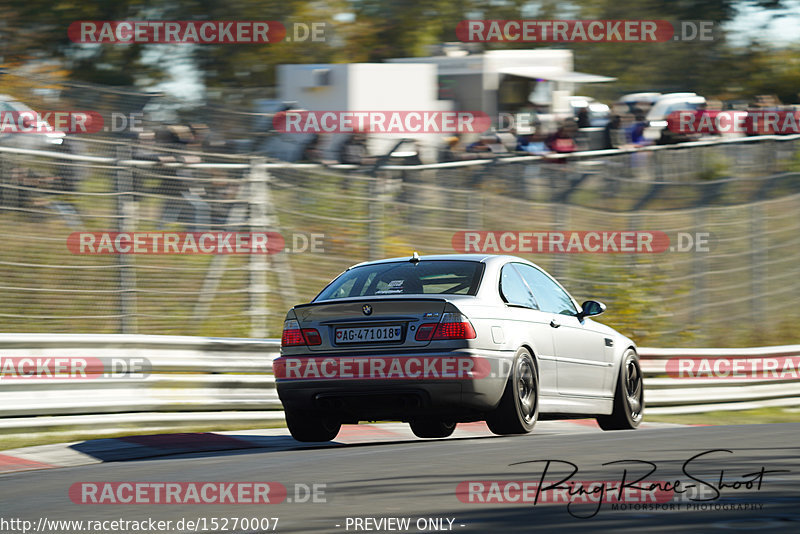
432,277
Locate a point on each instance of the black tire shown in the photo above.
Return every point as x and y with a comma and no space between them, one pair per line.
519,406
425,428
628,397
309,427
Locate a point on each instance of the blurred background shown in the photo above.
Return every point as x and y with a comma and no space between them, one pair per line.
578,143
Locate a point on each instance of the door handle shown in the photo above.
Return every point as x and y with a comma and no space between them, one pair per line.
554,324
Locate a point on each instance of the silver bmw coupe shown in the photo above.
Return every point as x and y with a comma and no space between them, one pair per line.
438,340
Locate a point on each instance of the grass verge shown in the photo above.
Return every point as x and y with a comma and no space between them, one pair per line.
744,417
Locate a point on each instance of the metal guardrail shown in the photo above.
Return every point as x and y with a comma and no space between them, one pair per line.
669,395
245,161
192,381
204,381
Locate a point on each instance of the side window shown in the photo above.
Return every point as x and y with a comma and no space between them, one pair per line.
549,295
513,289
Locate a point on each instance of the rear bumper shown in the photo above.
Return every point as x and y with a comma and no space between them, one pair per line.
409,386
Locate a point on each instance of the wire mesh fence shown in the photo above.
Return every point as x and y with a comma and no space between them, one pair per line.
729,210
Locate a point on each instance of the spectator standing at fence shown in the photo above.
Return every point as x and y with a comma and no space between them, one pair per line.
484,144
179,186
563,140
312,152
533,143
611,132
522,141
584,121
46,187
636,131
451,150
354,150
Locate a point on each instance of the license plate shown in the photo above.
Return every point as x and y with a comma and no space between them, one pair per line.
368,334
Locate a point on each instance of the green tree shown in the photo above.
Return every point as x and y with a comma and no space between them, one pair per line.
374,30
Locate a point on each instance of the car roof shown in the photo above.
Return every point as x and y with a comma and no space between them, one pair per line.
657,111
692,99
639,97
679,94
483,258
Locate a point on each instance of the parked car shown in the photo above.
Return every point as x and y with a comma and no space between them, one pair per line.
45,137
633,102
656,118
439,340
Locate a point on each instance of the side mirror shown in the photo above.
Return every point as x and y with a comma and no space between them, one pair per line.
590,308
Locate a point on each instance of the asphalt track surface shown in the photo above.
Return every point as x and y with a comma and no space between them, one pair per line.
417,480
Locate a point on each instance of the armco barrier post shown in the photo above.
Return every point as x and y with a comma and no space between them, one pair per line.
375,221
758,271
126,218
699,266
257,183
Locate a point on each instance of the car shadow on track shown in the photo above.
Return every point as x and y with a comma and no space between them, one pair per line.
206,444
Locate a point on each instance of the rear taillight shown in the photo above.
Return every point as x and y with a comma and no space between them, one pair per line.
452,326
312,336
456,328
425,332
293,335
